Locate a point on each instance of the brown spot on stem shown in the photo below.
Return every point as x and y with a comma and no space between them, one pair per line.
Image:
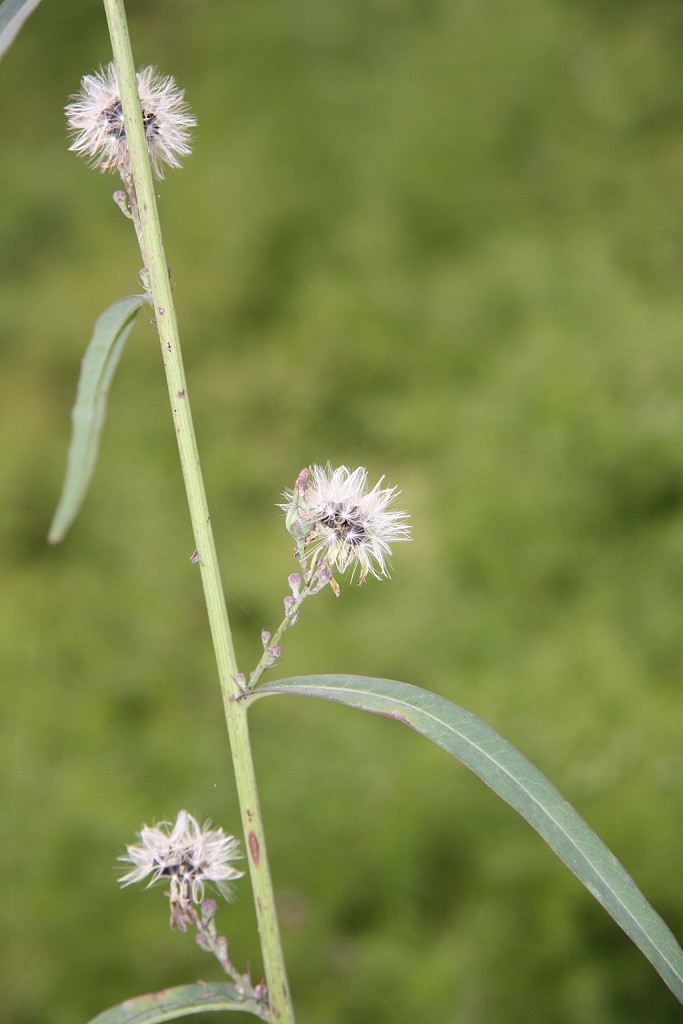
254,848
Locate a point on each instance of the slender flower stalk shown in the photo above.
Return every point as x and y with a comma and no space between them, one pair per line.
156,272
293,602
208,939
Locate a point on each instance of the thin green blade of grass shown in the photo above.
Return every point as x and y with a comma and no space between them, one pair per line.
13,14
88,414
517,781
182,1001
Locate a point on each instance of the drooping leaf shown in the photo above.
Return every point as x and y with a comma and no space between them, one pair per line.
520,784
87,416
180,1002
13,14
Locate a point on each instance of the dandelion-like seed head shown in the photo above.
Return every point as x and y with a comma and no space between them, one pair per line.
343,525
190,856
95,120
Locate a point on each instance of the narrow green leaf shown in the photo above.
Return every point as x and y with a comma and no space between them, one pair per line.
519,783
13,14
87,416
180,1002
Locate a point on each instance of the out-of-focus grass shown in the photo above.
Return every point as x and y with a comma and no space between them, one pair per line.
440,239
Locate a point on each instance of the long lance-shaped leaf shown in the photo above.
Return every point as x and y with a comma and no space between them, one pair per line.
13,14
519,783
180,1002
87,416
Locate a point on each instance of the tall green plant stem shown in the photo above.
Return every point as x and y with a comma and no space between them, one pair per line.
167,327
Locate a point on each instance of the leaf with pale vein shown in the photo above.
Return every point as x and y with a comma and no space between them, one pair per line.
182,1001
97,369
13,14
520,784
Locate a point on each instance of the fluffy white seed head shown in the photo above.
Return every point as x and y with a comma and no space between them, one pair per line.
186,854
343,525
95,120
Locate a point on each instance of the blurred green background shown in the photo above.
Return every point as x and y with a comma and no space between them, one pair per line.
442,239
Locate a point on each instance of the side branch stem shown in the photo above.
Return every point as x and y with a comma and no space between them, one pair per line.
281,1011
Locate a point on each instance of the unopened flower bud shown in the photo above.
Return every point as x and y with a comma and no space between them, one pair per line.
291,610
294,581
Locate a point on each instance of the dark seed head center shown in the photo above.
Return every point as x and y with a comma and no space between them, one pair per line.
345,521
113,119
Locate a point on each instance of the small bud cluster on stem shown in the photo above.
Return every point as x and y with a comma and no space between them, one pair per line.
210,941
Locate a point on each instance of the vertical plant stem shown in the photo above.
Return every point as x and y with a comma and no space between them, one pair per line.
235,712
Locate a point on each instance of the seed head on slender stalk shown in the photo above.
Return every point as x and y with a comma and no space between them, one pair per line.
190,856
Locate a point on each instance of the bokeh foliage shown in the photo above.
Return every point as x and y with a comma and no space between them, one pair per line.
441,239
